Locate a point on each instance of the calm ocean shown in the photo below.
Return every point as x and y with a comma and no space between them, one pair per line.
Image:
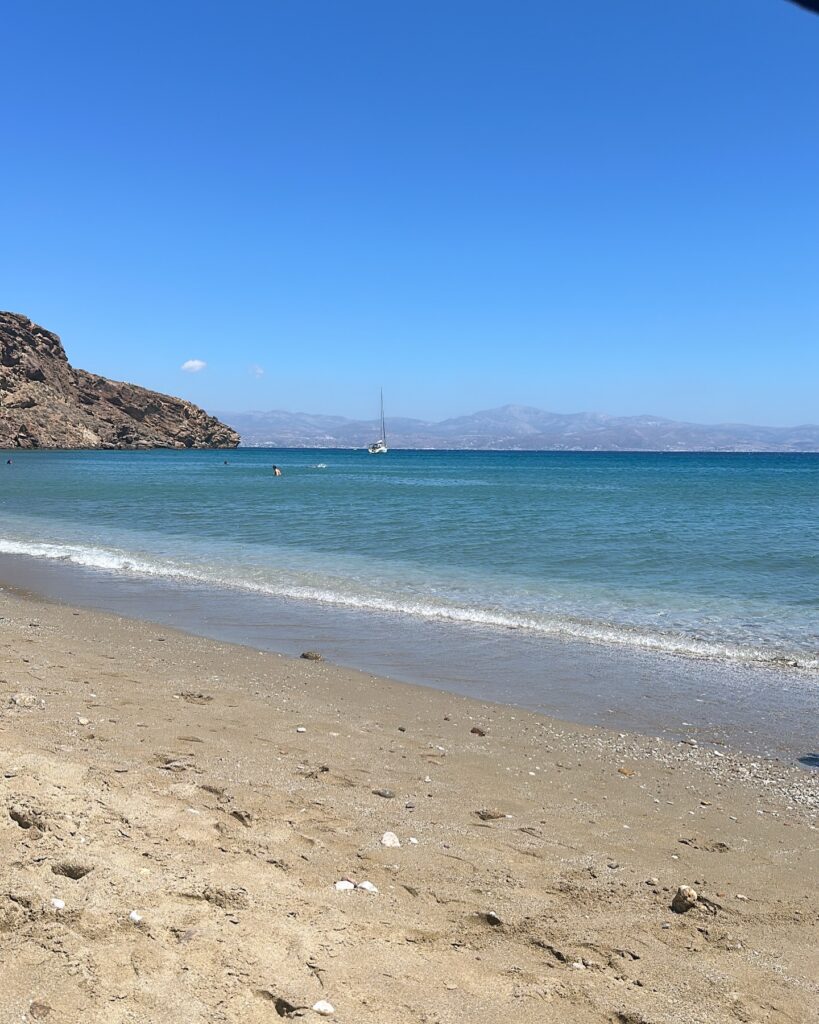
710,557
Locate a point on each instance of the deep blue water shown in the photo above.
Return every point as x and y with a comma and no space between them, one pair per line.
700,555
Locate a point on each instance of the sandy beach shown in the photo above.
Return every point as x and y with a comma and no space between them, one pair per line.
176,813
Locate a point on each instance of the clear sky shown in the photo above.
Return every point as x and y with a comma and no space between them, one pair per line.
583,205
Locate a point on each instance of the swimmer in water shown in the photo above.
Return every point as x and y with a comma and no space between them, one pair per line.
276,471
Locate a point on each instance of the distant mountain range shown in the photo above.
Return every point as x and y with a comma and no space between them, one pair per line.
517,427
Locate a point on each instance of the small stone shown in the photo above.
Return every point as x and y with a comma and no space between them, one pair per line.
368,887
324,1008
489,814
301,728
82,721
386,793
413,841
25,700
665,924
684,899
312,656
740,896
492,918
652,881
344,885
58,904
135,917
477,731
390,839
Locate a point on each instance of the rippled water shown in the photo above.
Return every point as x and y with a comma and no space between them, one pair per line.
700,555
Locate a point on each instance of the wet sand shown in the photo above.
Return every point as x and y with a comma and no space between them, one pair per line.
764,711
175,813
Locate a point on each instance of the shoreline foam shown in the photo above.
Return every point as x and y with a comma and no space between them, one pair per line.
757,710
574,628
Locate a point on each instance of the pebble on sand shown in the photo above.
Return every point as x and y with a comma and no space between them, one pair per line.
684,899
26,700
368,887
301,728
344,885
390,839
490,814
324,1008
58,904
135,917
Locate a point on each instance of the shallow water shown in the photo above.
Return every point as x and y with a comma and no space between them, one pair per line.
706,555
660,592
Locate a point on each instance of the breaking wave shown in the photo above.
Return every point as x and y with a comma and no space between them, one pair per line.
342,593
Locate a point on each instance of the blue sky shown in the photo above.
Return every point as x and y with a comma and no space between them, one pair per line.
579,206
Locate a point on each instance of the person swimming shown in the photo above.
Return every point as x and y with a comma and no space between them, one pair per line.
277,471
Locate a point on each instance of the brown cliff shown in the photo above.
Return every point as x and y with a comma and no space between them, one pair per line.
46,403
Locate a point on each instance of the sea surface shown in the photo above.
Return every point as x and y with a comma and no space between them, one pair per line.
692,559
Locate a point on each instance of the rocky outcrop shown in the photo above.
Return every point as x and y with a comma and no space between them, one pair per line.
46,403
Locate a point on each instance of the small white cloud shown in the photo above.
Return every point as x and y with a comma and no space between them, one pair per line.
256,370
193,365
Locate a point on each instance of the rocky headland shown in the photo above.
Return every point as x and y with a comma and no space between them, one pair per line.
46,403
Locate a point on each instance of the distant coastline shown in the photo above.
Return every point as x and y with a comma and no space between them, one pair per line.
520,428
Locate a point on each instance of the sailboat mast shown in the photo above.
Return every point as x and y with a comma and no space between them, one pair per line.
383,431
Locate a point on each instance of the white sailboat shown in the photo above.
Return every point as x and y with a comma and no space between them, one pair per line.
379,447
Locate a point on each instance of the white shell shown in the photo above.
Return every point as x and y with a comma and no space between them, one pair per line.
324,1008
390,839
344,885
367,887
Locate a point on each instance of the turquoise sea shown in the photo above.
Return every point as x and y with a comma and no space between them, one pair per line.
695,559
704,555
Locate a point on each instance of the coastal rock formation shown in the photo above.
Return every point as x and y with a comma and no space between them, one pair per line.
46,403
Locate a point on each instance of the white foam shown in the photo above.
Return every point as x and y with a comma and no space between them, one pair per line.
559,626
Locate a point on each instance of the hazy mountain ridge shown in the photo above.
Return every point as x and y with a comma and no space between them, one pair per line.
519,427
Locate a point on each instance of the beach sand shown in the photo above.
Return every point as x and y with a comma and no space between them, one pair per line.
220,793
